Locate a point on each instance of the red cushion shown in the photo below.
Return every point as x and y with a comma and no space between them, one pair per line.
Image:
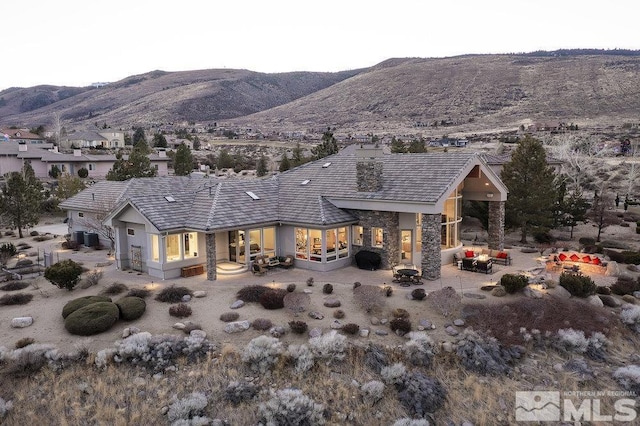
574,257
502,255
596,261
562,257
469,253
586,259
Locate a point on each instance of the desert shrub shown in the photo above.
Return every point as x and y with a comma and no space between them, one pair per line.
296,302
251,293
34,233
262,353
587,241
142,293
7,251
419,349
291,407
14,285
393,374
237,392
75,304
10,233
630,316
92,278
616,244
41,238
64,274
400,313
23,247
24,362
485,355
578,285
338,314
375,357
513,283
92,319
356,284
131,307
571,340
189,408
173,294
298,327
261,324
181,310
400,326
310,281
625,285
327,288
418,294
114,288
302,356
446,301
25,341
543,236
351,328
291,288
615,255
15,299
330,346
372,392
603,289
24,262
369,298
631,257
229,316
387,290
421,394
273,298
629,378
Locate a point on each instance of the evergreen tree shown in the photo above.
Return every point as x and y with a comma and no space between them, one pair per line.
183,161
297,157
329,146
68,186
416,146
139,135
21,198
159,141
532,193
397,146
285,164
262,169
136,165
224,160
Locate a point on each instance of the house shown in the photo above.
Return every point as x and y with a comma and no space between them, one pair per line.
407,208
8,134
43,157
92,139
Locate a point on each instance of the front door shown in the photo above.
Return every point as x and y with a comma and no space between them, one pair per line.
406,246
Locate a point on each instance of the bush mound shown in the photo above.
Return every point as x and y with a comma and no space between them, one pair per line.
240,391
298,327
261,324
631,257
14,285
273,298
131,307
400,326
625,285
485,355
173,294
418,294
142,293
327,288
15,299
446,301
513,283
75,304
64,274
400,313
578,285
92,319
251,293
229,316
114,288
181,310
421,394
351,328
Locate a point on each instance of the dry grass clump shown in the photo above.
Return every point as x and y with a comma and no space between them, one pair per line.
504,321
92,278
298,327
446,301
400,313
350,328
142,293
369,298
296,302
261,324
25,341
181,310
15,299
173,294
114,288
251,293
14,285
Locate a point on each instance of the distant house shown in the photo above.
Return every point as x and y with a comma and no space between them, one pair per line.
449,142
406,208
19,135
93,139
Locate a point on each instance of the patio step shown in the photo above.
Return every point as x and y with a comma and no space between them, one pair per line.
230,268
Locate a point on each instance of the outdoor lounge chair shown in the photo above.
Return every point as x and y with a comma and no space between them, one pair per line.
286,262
258,267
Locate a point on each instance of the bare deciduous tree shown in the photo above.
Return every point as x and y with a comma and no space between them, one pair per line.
296,302
368,297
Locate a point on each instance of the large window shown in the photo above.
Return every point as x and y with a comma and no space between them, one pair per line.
451,218
357,233
190,245
173,247
314,244
343,242
377,237
315,237
155,248
302,243
178,246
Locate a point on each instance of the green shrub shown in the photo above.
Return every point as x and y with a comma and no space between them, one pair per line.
173,294
181,310
327,288
34,233
15,299
75,304
64,274
83,172
251,293
400,326
7,251
631,257
351,328
513,283
273,298
291,288
14,285
298,327
578,285
587,241
543,236
625,285
92,319
418,294
131,307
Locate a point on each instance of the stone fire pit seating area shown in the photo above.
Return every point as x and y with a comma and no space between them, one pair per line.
583,262
501,257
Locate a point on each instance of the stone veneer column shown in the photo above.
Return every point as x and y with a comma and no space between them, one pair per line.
431,251
496,225
211,256
369,175
390,224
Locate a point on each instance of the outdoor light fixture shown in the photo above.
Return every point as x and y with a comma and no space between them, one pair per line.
489,194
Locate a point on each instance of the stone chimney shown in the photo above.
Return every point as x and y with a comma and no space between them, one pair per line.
22,147
369,168
162,153
77,152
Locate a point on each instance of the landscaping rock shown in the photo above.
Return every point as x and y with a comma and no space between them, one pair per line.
21,322
610,301
499,291
451,331
428,325
636,294
562,292
629,299
336,325
474,296
364,332
130,331
383,321
315,332
237,304
198,334
186,298
199,293
237,326
316,315
458,322
332,302
532,293
374,321
595,301
380,332
447,346
178,326
307,291
277,331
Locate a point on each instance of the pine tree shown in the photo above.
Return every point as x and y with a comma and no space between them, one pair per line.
21,198
136,165
285,164
397,145
532,193
68,186
329,146
183,162
297,157
261,170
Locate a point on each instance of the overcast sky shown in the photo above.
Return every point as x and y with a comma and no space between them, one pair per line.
75,43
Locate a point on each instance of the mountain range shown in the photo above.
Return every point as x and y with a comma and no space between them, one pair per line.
397,95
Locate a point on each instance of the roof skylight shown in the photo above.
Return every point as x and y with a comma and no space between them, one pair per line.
325,165
170,199
252,195
304,182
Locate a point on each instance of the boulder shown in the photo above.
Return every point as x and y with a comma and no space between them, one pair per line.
458,322
186,298
332,302
237,326
447,346
130,331
21,322
629,299
428,325
532,293
595,301
499,291
636,294
562,292
316,315
364,332
178,326
336,325
610,301
374,321
380,332
199,293
237,304
277,331
315,332
198,334
451,331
